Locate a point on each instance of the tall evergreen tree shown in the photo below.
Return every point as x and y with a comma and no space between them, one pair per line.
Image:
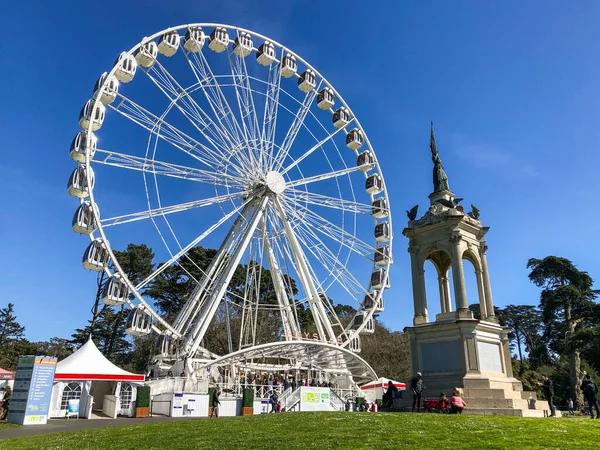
10,329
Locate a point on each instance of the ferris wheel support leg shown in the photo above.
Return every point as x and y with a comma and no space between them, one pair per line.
290,326
192,306
220,286
322,322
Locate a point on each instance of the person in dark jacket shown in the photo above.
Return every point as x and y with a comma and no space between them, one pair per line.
216,402
390,394
590,392
548,389
416,385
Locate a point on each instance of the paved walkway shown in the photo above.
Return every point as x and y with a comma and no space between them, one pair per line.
66,425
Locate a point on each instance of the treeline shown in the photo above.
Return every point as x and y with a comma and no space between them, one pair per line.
386,351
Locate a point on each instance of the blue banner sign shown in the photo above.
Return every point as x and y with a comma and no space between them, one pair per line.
30,402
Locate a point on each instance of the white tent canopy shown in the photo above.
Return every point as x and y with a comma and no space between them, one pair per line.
375,389
88,363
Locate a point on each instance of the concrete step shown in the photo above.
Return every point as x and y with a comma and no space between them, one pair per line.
500,403
504,412
484,383
492,393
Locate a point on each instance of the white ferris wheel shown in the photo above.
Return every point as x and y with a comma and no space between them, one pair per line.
213,135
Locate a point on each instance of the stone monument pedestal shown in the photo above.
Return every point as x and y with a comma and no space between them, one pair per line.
472,355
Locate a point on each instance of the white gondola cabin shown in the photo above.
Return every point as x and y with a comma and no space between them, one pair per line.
382,232
219,40
368,302
325,98
242,46
369,327
265,55
84,219
82,142
360,319
165,345
307,81
380,280
382,255
139,322
146,54
96,256
374,184
109,86
354,344
365,161
126,67
168,44
341,118
289,66
380,208
194,39
354,139
115,291
78,182
92,112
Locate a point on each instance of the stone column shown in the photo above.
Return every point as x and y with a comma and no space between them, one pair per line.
418,284
486,281
443,302
481,293
458,275
447,296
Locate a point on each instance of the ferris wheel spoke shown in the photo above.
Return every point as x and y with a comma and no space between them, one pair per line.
192,244
167,132
326,201
141,215
190,109
156,167
322,177
311,150
294,129
223,112
307,217
271,110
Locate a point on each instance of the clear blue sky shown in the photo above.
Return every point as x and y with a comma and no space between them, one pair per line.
511,86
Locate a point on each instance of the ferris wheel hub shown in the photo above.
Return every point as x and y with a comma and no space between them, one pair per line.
275,182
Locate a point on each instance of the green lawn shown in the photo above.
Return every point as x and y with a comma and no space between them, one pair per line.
4,425
333,430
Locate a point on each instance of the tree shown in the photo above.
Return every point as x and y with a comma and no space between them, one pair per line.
387,352
525,322
10,329
568,305
102,333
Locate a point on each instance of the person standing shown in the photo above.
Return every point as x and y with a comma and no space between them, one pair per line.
416,385
548,389
570,406
215,403
590,392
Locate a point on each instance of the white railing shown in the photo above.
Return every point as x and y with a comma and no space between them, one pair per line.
292,400
284,395
178,384
336,402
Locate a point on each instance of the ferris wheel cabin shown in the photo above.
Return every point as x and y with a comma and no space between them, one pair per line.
139,322
146,54
307,81
126,67
380,208
341,118
164,346
380,280
81,142
325,98
109,91
84,219
289,66
354,344
96,256
374,184
265,55
382,255
242,46
93,112
219,40
365,161
77,185
168,43
368,302
194,39
354,139
115,291
382,232
361,319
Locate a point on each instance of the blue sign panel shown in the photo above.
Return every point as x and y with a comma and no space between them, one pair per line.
30,403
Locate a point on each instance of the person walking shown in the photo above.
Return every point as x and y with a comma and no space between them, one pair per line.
570,406
215,403
590,392
416,385
548,389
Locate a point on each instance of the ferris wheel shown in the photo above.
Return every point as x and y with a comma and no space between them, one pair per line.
215,136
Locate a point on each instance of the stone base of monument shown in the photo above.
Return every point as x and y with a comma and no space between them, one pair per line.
472,355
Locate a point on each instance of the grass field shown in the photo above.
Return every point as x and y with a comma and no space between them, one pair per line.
332,430
7,425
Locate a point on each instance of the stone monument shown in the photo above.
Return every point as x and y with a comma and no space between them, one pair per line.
453,349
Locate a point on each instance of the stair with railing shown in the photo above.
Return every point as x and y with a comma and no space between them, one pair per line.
336,402
292,401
